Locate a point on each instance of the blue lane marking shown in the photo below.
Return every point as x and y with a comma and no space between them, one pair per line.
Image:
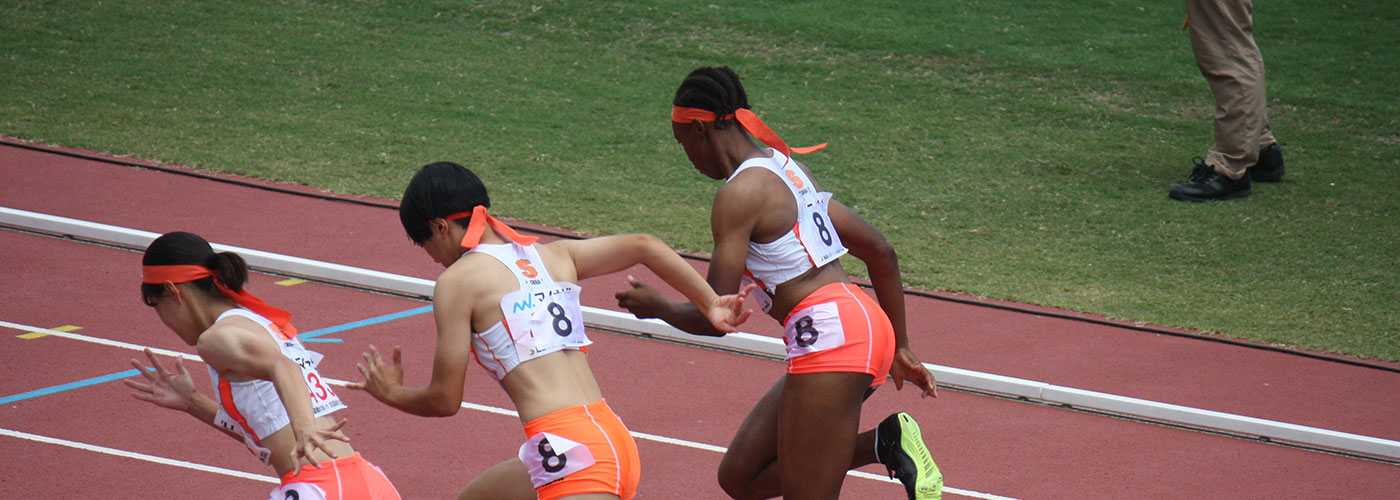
311,336
68,386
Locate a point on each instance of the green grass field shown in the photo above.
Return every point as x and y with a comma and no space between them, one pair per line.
1011,150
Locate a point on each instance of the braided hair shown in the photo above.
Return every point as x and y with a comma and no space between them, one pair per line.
714,89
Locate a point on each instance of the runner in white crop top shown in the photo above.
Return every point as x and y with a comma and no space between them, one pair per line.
812,241
761,234
268,392
512,304
515,338
252,407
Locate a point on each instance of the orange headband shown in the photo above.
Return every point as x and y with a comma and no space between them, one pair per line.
156,275
749,121
477,226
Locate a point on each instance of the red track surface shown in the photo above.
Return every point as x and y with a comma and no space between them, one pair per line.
983,444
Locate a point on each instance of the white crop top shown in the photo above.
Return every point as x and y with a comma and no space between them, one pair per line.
812,241
253,408
541,317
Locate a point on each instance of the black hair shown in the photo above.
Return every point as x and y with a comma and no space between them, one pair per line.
181,248
439,190
714,89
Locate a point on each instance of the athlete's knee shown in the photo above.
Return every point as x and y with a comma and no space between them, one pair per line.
738,484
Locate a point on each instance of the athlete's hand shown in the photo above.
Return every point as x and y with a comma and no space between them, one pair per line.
642,300
727,311
174,390
309,442
380,377
908,368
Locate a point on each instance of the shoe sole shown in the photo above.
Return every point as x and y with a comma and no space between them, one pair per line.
927,485
1197,199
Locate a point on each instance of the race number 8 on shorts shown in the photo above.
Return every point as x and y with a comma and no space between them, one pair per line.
298,491
550,458
544,319
816,328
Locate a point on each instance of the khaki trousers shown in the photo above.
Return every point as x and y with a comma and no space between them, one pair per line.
1222,39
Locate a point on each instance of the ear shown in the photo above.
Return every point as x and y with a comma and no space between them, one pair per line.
440,226
173,291
699,128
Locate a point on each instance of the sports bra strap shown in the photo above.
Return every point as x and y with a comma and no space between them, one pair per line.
523,261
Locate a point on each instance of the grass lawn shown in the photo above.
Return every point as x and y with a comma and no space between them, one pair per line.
1011,150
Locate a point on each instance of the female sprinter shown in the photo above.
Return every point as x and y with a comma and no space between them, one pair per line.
774,226
261,373
512,305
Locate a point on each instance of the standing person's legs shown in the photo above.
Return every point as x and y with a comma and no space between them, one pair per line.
1222,41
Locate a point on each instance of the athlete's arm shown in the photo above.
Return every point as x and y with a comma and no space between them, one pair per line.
867,244
731,223
443,395
176,391
610,254
230,349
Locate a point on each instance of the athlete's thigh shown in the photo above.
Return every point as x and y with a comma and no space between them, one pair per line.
755,445
820,418
508,480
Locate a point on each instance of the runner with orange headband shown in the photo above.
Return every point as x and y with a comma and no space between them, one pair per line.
773,226
512,305
269,394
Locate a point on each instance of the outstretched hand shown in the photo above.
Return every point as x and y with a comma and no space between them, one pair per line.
307,443
173,390
380,377
908,368
727,311
641,300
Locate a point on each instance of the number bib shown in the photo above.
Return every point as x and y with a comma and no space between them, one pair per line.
814,227
765,301
816,328
260,406
550,458
324,400
544,319
298,491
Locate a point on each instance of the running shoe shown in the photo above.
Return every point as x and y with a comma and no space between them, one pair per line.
900,447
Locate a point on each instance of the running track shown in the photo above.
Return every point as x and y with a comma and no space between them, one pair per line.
693,397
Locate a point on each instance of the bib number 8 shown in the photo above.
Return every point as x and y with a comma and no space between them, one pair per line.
562,325
552,462
298,491
806,334
822,230
548,458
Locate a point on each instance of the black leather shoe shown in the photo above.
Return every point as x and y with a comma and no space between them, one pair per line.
1206,184
1270,165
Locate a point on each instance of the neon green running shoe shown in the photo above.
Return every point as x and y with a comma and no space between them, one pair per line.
900,447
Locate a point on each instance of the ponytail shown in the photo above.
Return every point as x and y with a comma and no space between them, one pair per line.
230,269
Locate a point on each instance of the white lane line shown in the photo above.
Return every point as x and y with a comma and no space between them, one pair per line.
138,456
1152,411
470,406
